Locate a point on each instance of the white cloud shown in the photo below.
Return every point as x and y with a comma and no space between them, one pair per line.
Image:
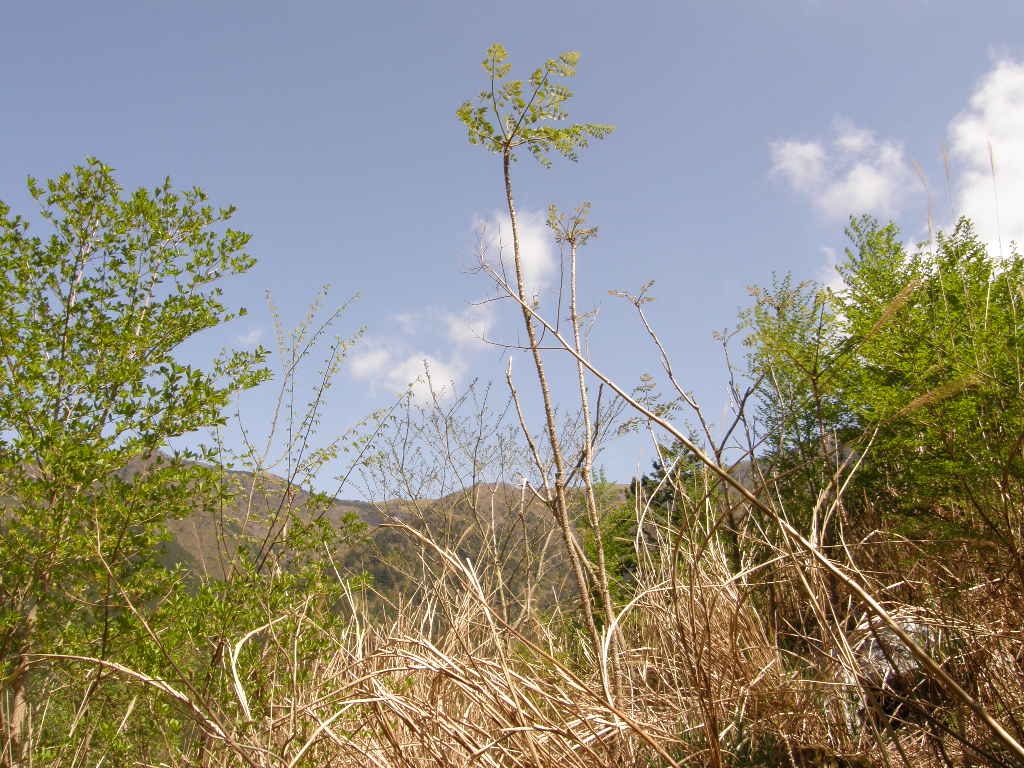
423,375
856,174
802,163
409,322
397,365
536,247
877,184
369,363
994,118
398,373
850,138
250,339
472,326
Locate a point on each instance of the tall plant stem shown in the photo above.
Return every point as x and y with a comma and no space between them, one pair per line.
586,468
559,503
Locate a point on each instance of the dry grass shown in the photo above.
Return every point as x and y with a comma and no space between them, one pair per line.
709,678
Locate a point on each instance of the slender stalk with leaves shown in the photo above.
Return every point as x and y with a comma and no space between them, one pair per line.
509,116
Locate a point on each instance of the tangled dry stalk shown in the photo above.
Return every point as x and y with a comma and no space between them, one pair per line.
449,681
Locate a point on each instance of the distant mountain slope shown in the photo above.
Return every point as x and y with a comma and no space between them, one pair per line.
260,504
499,528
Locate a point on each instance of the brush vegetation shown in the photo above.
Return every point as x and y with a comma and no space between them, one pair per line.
832,577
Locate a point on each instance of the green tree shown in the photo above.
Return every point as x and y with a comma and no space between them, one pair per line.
914,367
796,354
90,318
937,342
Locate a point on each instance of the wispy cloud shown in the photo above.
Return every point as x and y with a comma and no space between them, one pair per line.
369,363
536,247
250,339
420,373
853,173
470,327
425,376
398,364
802,163
409,322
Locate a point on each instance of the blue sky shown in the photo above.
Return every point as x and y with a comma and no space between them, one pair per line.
746,133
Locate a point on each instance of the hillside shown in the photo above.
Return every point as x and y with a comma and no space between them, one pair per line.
493,524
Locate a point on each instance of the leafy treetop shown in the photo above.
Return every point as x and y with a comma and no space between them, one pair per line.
514,113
